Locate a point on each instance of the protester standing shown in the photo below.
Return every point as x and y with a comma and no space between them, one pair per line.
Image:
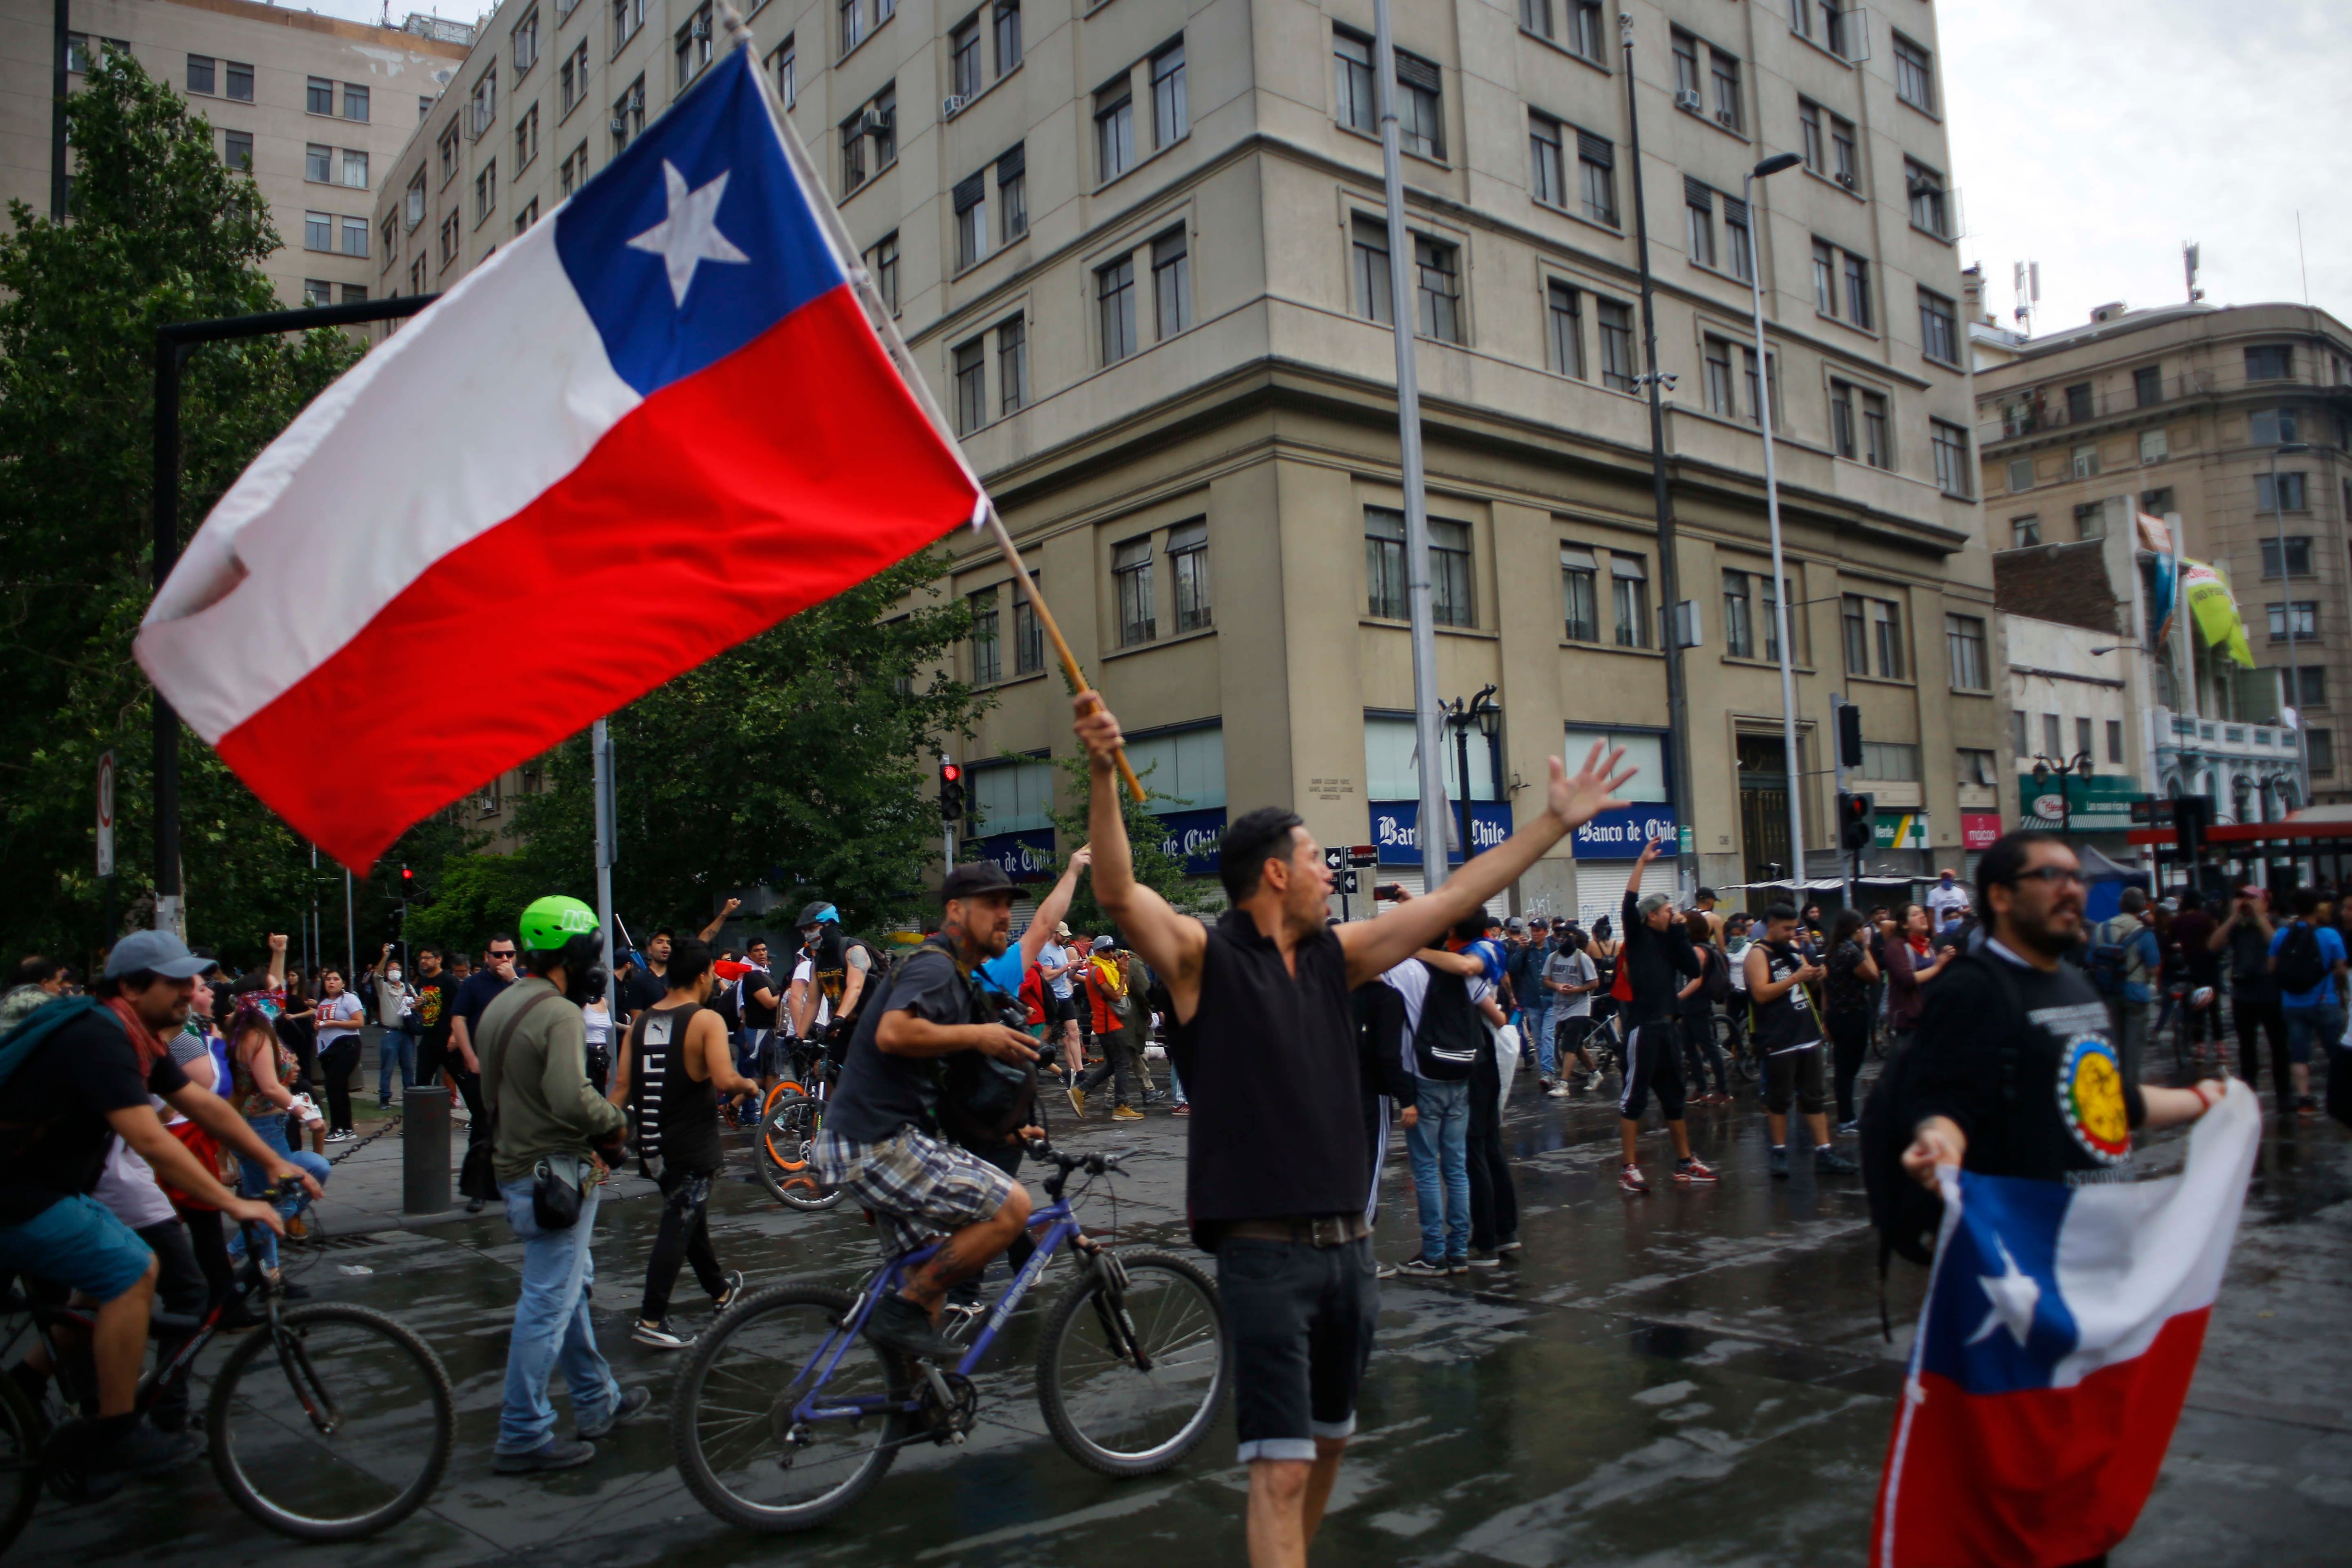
1659,963
2128,980
430,1019
1845,994
1788,1041
2245,936
2307,963
463,1068
340,1019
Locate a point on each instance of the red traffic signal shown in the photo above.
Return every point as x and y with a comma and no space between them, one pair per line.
951,772
952,799
406,876
1857,821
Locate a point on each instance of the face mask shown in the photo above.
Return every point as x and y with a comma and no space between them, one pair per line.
391,974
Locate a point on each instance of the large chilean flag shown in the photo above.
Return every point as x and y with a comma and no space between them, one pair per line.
645,429
2060,1331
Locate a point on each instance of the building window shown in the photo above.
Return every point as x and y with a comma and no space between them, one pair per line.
528,217
1437,285
853,23
2311,679
2053,746
391,237
318,164
449,152
1171,290
2024,532
2091,519
1939,327
2148,386
2307,619
1596,174
2271,363
1874,628
2158,501
788,70
2298,557
2115,740
1724,70
1825,296
692,47
1858,425
1451,603
1628,583
1845,152
970,375
448,239
1028,632
318,291
318,231
1130,569
1421,110
963,60
629,116
1926,190
2319,746
239,78
882,265
1809,136
1586,35
1013,193
1012,366
413,203
355,169
1615,318
2085,460
319,96
1720,398
1738,616
574,174
869,140
1548,178
200,73
1384,562
354,294
1915,74
1857,290
1976,767
486,190
1008,35
2017,733
2021,474
1580,593
2273,427
2155,447
355,102
1687,93
1370,254
1964,641
526,139
1354,102
1114,131
987,656
355,237
971,199
1188,564
1171,117
1950,444
1564,335
1737,240
1535,16
2289,496
526,43
236,149
1115,307
1699,208
1889,761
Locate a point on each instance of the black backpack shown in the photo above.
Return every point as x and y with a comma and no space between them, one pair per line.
1717,987
1905,1215
2301,965
1445,1045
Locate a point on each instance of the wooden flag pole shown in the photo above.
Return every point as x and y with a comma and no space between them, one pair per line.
885,327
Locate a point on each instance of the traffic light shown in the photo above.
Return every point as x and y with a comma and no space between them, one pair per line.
950,792
1857,818
1849,728
408,881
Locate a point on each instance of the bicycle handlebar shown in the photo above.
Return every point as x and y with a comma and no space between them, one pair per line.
1092,1164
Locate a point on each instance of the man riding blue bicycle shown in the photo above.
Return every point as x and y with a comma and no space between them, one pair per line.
880,1142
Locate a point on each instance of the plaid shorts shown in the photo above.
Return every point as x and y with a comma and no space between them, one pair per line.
918,1186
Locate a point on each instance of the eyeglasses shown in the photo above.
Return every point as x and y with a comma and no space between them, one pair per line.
2055,876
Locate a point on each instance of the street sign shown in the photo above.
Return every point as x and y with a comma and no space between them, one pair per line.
1690,842
1364,855
106,813
1335,859
1347,883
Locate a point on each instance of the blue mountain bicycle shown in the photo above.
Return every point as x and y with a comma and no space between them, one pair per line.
786,1413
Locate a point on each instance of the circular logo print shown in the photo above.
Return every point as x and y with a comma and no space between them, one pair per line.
2090,1097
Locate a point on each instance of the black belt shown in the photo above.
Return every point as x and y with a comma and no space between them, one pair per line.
1307,1230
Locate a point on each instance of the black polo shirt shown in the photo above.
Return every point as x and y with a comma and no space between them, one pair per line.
1269,1062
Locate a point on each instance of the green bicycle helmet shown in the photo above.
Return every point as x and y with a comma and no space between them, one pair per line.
551,923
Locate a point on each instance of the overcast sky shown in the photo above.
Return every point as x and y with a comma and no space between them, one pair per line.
2094,136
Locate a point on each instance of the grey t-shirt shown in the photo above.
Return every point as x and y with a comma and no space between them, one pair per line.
1570,968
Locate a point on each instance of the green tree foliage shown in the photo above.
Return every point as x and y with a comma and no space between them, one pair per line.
1154,867
160,232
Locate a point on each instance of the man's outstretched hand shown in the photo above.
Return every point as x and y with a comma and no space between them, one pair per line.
1577,798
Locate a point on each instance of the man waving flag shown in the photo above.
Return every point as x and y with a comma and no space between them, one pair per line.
650,427
2060,1331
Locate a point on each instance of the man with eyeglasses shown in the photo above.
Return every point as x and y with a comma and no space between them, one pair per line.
2016,1071
464,1068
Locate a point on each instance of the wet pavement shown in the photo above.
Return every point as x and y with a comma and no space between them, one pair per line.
1692,1377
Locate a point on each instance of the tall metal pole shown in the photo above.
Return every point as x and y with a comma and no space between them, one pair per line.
1402,312
59,85
600,754
2294,676
1780,608
169,356
1669,581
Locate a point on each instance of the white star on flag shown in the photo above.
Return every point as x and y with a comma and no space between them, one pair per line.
689,236
2013,1293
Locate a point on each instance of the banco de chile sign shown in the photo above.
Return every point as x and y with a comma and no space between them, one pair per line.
1619,835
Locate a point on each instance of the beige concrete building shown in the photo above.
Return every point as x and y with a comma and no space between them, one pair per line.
2181,413
1136,246
318,109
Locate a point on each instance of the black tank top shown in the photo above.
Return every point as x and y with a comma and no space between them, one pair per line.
678,1118
1786,1023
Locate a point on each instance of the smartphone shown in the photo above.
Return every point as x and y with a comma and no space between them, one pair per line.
1388,890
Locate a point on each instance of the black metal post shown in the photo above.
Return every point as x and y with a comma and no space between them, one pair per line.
173,341
1462,773
1669,580
59,83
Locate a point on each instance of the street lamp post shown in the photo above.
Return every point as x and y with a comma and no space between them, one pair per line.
1481,713
2080,762
1780,606
2293,677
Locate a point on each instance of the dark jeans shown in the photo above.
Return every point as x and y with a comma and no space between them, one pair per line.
469,1089
1494,1198
684,1238
1119,1058
1849,1044
1700,1051
2254,1014
335,1066
181,1288
1302,1320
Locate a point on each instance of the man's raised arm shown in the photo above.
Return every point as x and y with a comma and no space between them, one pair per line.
1569,801
1058,904
1171,944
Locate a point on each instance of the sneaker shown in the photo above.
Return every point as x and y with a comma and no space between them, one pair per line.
1848,1128
1384,1270
338,1136
1629,1179
474,1205
1557,1091
555,1453
1779,1161
1181,1108
1125,1114
1417,1268
633,1402
1457,1266
1547,1081
1482,1259
896,1323
1512,1245
1692,1173
138,1450
1078,1102
1828,1162
2307,1105
729,1296
661,1335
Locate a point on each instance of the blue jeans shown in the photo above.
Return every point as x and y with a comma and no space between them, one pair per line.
394,1047
1438,1143
551,1326
252,1179
1539,1025
2304,1026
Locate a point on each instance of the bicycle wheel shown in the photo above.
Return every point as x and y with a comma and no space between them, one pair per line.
1110,1414
788,1131
20,1461
336,1426
1739,1050
739,1449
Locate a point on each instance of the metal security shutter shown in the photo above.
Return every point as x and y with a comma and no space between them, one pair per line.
968,192
1698,195
1010,165
1414,71
1409,878
1025,909
1601,888
1595,150
1735,212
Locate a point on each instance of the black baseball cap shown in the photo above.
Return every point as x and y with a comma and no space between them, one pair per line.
975,879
